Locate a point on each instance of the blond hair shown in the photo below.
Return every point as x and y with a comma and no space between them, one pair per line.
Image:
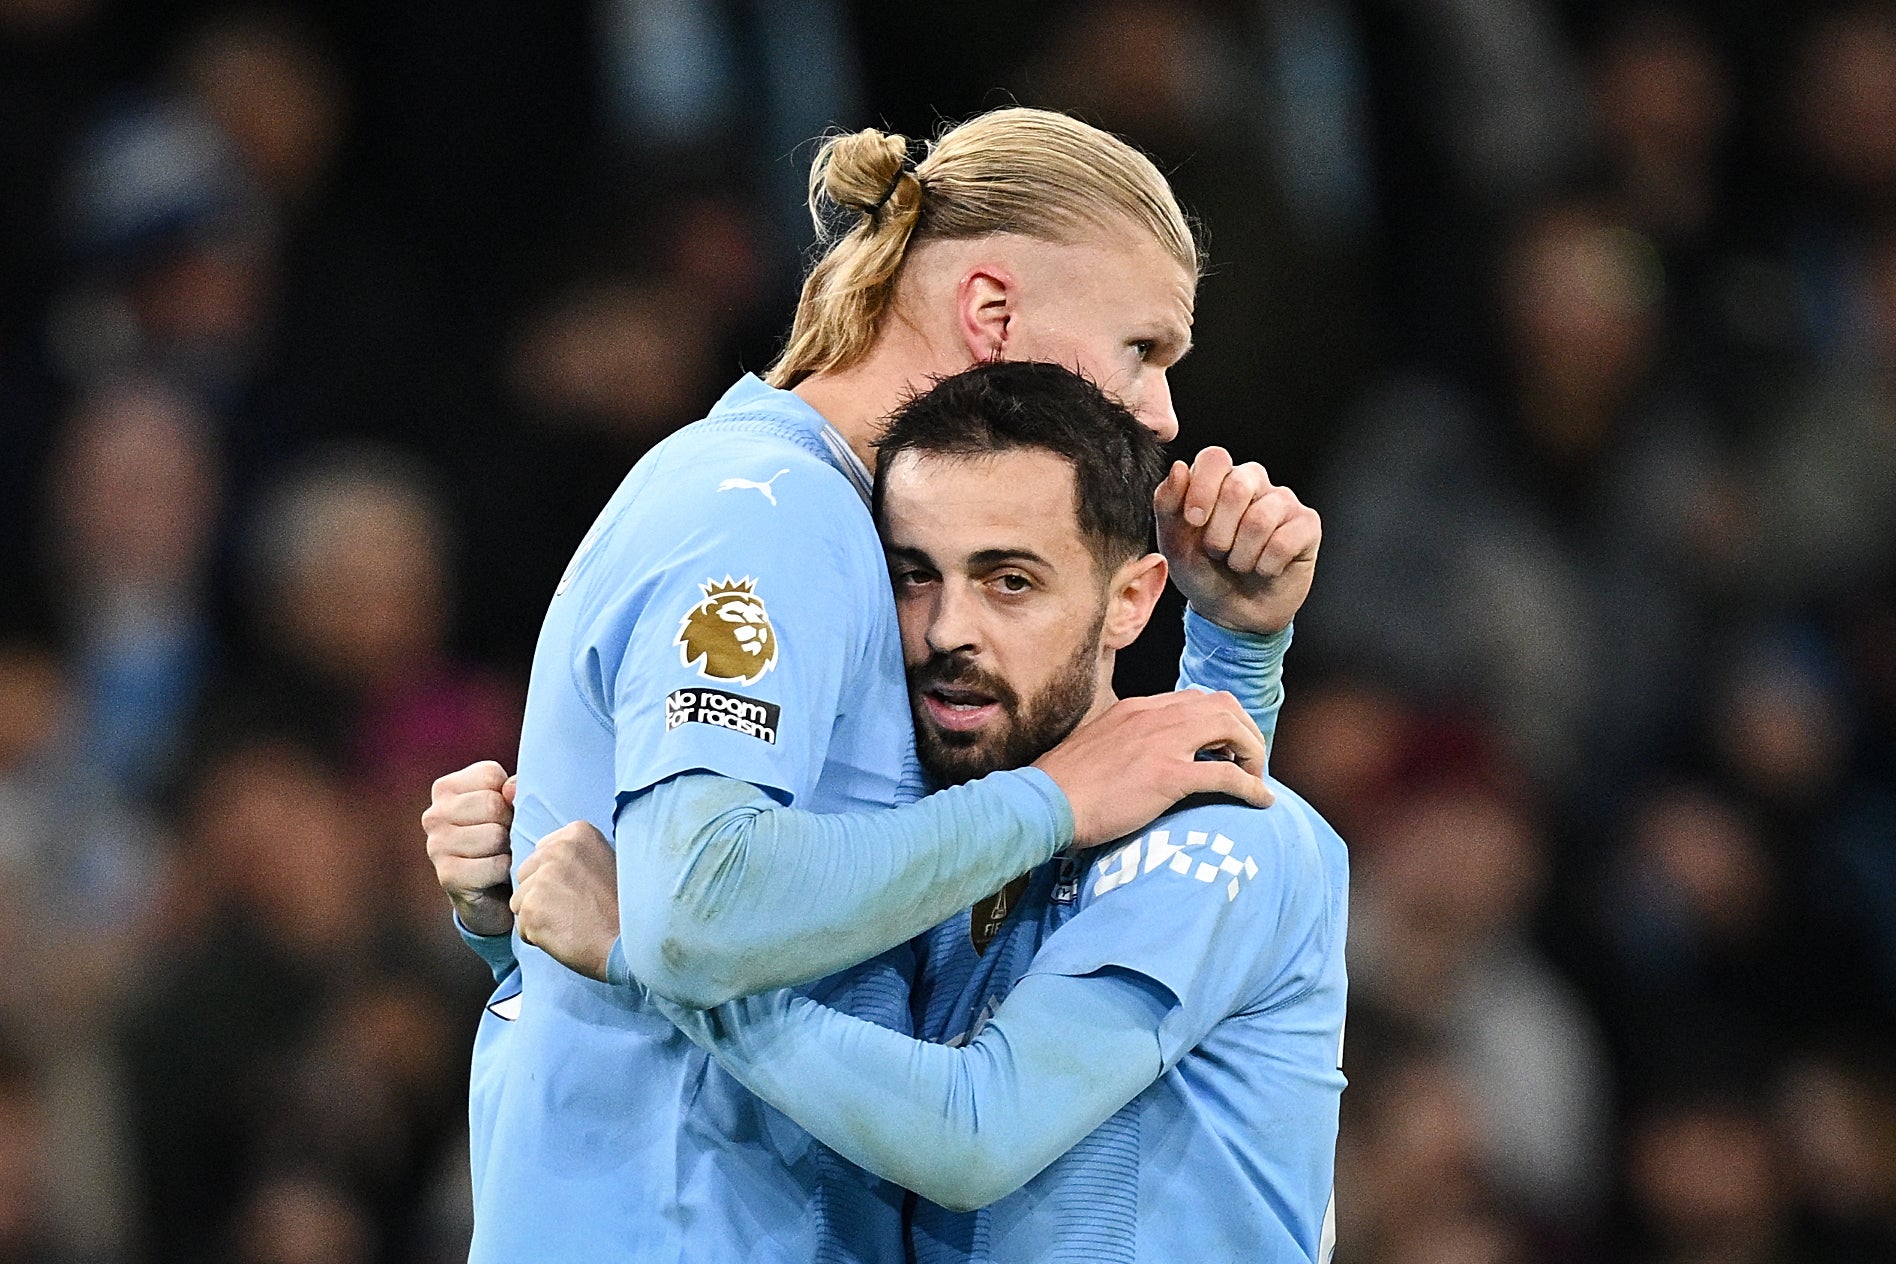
1016,170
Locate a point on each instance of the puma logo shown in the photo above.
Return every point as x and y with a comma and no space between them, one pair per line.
732,484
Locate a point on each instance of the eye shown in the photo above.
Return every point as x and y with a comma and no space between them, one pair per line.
1013,583
909,577
1143,348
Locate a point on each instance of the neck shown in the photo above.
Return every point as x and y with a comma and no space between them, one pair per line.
857,400
1103,695
856,404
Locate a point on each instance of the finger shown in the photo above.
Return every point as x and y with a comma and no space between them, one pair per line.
474,875
472,807
470,842
1207,479
1228,725
1222,703
582,834
511,790
534,863
1297,540
485,775
1262,519
1242,750
1241,486
1169,497
1215,776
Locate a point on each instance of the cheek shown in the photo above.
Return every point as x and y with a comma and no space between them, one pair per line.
1038,648
911,617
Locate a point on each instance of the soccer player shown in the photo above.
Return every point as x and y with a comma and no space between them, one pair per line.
1138,1050
718,686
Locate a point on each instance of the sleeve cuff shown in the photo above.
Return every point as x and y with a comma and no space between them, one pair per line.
1032,792
618,973
496,950
1209,639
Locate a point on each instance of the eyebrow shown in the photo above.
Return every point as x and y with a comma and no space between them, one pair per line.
1000,557
1175,344
985,557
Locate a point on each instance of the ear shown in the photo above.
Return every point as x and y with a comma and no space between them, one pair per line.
984,312
1134,591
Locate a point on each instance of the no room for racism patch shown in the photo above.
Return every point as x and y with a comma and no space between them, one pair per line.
723,710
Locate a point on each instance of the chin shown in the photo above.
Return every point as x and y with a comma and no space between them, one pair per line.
949,762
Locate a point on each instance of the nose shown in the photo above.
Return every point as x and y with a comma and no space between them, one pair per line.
954,624
1155,411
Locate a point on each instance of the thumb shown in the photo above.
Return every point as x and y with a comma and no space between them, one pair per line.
1168,499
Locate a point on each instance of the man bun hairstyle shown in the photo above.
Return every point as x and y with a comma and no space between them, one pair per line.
1010,405
1017,170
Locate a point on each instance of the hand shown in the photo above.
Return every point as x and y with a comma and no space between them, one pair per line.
467,826
1129,764
567,899
1241,549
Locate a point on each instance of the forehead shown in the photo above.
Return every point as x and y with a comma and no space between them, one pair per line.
1122,268
949,506
1151,276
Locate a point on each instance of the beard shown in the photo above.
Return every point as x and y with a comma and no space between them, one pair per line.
1024,731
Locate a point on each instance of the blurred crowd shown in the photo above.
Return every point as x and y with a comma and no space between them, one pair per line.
325,329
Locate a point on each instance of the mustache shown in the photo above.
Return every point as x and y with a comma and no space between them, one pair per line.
960,671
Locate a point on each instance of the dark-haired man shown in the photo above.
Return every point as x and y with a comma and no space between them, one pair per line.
1136,1052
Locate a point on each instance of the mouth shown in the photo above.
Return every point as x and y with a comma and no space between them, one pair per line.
959,709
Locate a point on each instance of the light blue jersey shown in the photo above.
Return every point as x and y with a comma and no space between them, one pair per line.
1240,915
729,612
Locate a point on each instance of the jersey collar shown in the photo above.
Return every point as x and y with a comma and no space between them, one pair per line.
752,394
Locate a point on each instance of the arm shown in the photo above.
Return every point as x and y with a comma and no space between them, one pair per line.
723,892
961,1127
726,892
467,823
1247,665
1156,958
1243,551
496,950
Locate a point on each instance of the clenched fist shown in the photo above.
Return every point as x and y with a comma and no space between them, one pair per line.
1242,549
567,898
468,824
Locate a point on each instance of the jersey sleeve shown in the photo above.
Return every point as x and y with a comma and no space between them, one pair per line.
959,1126
731,646
1247,665
496,951
1232,916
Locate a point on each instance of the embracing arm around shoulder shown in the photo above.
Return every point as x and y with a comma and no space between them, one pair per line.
724,892
964,1126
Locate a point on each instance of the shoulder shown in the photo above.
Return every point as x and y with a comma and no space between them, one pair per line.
720,496
747,466
1289,829
1230,845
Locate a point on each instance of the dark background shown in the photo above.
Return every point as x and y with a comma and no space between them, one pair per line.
325,330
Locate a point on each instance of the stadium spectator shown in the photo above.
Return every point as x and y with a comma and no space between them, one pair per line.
1536,542
134,500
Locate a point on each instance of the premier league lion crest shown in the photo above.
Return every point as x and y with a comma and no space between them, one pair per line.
728,634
